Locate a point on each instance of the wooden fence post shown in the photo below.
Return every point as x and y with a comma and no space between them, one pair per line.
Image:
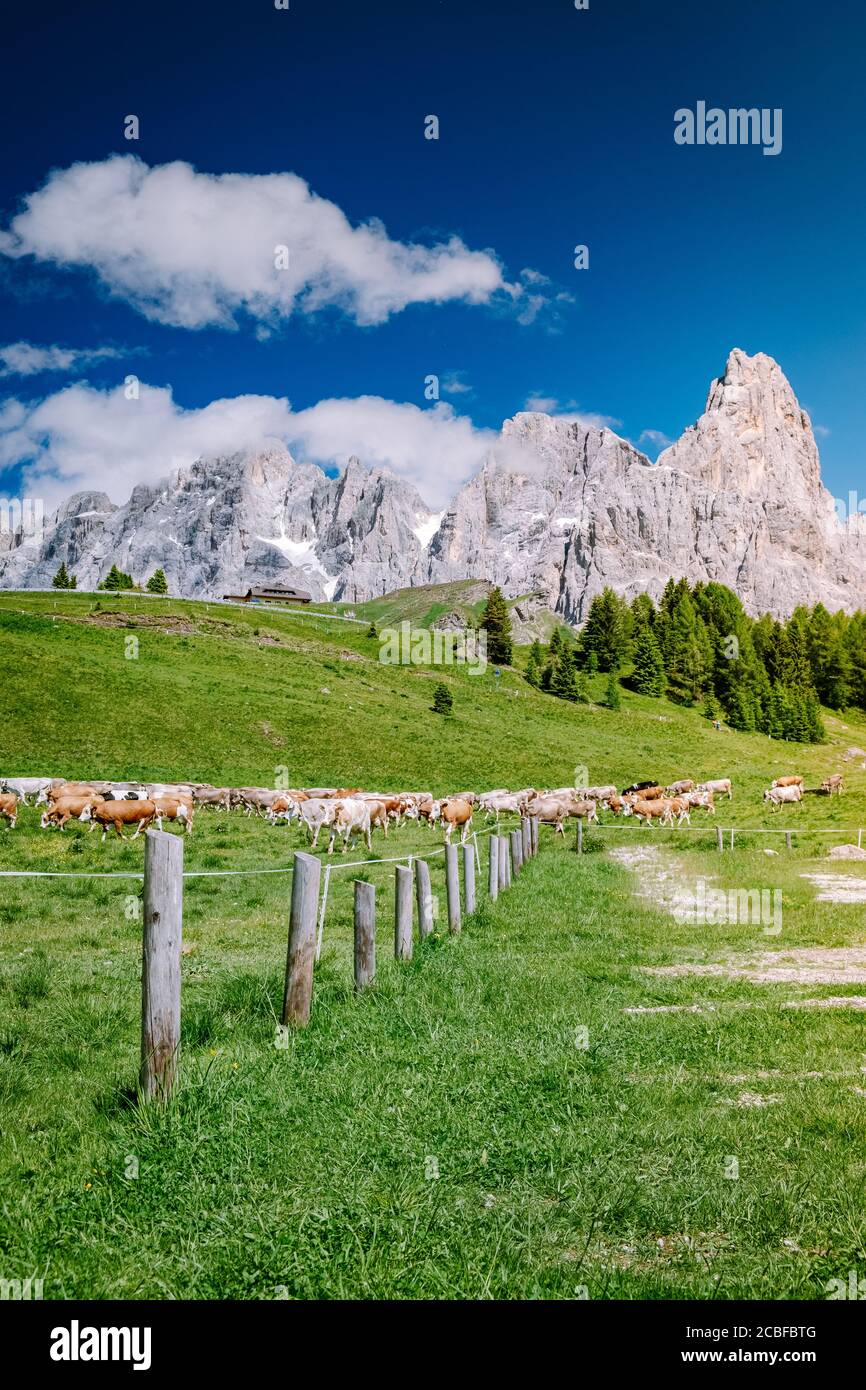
469,878
298,992
365,934
788,838
516,851
160,972
505,860
493,867
452,887
579,841
424,898
526,838
719,838
403,913
732,837
533,825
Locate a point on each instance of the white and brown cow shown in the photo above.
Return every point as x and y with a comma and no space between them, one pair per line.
9,808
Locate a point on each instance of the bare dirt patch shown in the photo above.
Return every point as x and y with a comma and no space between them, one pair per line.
658,880
839,965
838,888
832,1001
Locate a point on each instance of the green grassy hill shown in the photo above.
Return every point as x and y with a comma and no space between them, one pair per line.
132,686
527,1110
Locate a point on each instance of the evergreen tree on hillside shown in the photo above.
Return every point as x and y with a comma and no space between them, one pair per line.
555,644
63,580
688,654
157,583
116,579
643,613
612,697
563,681
534,664
496,620
371,630
443,700
648,677
607,631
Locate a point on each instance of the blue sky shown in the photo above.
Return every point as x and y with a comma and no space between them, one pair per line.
556,128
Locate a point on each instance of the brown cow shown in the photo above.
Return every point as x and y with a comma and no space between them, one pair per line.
455,811
9,808
788,782
648,811
651,793
141,814
833,783
69,808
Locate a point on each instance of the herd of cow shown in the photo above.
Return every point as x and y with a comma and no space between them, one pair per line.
349,811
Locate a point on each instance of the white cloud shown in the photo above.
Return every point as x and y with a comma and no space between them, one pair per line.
26,359
656,438
569,410
82,439
195,250
454,385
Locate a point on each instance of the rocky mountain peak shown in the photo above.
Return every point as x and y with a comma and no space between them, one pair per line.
753,436
561,507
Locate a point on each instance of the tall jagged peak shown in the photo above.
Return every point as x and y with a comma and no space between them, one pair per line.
753,437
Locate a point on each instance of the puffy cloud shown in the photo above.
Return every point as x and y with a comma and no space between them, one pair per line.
26,359
82,438
655,438
569,410
195,250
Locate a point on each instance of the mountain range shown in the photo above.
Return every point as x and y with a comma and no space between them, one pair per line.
738,498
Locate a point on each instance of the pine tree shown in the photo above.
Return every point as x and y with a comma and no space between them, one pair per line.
648,677
61,579
371,630
611,698
564,679
607,631
555,644
711,707
443,700
157,583
533,665
547,677
591,666
117,579
496,620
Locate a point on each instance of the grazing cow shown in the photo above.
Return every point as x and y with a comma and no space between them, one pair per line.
652,793
26,787
380,812
179,808
429,811
212,796
548,810
597,793
833,783
51,795
497,805
9,808
788,782
721,787
637,787
70,807
779,795
350,815
315,812
678,806
679,788
702,801
141,814
454,812
619,806
584,809
649,811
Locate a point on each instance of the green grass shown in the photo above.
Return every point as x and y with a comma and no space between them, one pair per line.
309,1172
